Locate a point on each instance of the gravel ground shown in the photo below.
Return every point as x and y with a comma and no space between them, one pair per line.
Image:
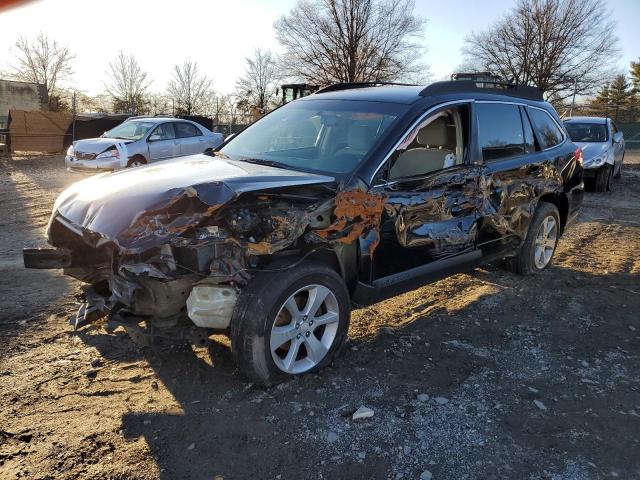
479,376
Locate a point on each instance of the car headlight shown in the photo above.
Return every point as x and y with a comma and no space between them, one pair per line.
595,161
70,151
113,153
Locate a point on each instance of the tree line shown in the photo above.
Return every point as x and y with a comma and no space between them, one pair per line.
565,47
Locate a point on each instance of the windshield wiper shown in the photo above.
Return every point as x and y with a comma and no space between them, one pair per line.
268,163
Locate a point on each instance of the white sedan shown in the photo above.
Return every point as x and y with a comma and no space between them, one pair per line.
142,140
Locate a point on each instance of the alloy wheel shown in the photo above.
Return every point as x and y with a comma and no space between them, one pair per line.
305,329
545,243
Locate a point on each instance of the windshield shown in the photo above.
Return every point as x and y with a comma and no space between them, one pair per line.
130,130
587,132
330,136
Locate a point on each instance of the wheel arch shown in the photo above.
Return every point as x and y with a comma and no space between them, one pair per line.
137,156
341,258
561,202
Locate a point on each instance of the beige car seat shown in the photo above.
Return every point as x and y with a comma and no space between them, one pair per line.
436,141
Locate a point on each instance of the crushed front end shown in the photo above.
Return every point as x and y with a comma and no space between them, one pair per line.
174,265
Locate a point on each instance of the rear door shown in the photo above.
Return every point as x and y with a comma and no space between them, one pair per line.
506,147
521,166
190,138
162,142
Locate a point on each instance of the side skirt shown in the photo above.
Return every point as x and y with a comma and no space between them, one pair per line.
389,286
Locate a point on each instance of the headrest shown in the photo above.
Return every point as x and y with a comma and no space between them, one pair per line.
359,137
435,134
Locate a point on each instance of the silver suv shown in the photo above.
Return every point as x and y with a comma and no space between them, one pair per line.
141,140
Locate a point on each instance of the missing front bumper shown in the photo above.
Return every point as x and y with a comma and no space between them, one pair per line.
46,258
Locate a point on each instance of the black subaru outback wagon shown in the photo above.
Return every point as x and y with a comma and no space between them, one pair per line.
347,196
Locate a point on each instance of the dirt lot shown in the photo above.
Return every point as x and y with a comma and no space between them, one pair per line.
526,378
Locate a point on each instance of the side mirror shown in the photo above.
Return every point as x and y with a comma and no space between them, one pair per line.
154,138
617,137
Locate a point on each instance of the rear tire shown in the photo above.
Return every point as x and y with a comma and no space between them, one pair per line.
274,331
603,179
540,243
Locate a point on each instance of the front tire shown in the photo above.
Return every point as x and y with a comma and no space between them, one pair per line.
619,172
603,179
136,161
289,323
540,243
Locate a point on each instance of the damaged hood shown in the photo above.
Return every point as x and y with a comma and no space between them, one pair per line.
96,145
112,204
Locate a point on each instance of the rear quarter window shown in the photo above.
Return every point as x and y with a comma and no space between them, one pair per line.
548,132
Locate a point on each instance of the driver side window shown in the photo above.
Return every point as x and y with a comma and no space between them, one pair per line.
437,143
164,131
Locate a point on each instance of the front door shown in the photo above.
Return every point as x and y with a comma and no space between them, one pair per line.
432,195
162,142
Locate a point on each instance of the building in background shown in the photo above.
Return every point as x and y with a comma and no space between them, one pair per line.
21,96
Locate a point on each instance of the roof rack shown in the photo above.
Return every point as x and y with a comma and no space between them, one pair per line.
349,85
501,88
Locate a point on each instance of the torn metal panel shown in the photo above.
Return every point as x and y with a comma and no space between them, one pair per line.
357,215
439,214
513,197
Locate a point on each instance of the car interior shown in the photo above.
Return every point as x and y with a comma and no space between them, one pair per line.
436,144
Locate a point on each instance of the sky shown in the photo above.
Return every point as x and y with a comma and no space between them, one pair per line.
219,35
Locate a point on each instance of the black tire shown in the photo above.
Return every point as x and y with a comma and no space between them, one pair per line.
603,179
136,159
523,263
256,311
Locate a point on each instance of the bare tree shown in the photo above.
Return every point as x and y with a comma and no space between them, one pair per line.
331,41
128,85
259,83
43,61
189,90
159,104
549,44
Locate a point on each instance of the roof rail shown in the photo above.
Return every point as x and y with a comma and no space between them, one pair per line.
349,85
501,88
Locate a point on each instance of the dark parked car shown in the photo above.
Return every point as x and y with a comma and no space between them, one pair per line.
343,197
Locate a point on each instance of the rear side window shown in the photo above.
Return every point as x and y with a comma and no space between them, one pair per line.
184,130
549,134
499,130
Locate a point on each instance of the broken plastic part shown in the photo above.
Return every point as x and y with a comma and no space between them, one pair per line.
211,305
